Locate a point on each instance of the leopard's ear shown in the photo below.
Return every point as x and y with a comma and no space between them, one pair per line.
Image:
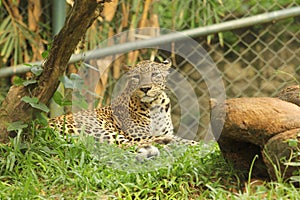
167,63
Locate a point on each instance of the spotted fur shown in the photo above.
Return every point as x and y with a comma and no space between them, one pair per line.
140,115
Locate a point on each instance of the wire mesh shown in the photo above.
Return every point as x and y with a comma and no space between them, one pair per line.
254,61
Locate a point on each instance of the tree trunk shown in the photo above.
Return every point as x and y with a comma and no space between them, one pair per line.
81,16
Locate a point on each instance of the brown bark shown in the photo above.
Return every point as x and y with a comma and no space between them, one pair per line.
257,126
256,120
290,94
34,15
81,16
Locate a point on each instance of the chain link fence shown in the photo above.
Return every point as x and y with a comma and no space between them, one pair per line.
254,61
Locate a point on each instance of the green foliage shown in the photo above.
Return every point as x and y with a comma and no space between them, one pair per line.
18,40
49,166
16,126
29,82
293,142
34,102
293,78
76,83
294,160
45,53
36,70
11,42
46,165
61,100
20,81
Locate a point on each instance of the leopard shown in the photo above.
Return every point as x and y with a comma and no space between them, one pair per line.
140,115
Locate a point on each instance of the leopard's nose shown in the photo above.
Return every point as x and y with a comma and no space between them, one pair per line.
145,89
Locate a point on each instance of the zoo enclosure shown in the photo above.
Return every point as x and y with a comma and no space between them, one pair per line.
255,61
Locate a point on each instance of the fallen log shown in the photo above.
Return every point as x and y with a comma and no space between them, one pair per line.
256,126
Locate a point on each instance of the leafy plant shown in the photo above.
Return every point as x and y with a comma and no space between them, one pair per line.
294,79
294,160
49,166
16,126
16,38
76,84
36,70
61,100
34,102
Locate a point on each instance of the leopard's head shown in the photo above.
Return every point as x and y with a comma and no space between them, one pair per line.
148,79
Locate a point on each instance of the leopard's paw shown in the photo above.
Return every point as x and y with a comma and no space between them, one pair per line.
147,152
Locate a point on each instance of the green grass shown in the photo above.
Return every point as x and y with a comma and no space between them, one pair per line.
47,166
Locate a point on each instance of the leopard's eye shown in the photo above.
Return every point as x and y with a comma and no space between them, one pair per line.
157,77
135,78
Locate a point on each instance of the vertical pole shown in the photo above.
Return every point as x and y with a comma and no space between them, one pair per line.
58,14
58,20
